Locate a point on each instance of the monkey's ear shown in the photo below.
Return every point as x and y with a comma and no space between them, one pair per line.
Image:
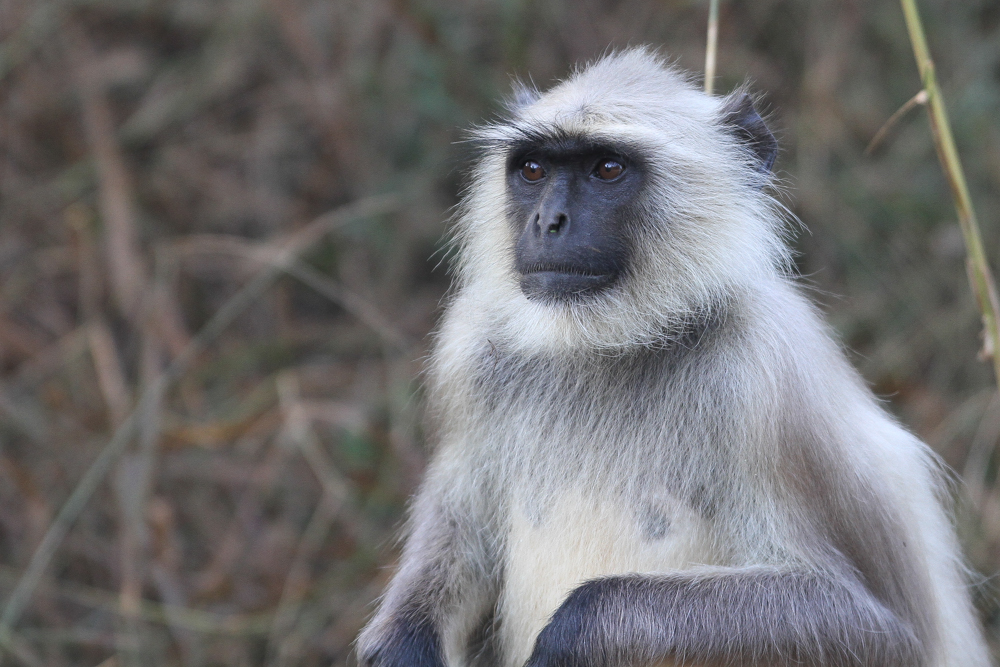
742,119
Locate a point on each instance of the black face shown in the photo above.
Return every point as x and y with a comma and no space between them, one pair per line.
572,202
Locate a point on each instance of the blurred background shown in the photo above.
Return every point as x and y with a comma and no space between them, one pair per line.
225,218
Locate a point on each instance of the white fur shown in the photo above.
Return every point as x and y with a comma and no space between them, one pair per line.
529,496
582,536
713,216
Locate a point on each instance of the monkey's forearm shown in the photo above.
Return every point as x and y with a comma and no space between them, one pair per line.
761,617
407,639
442,588
429,607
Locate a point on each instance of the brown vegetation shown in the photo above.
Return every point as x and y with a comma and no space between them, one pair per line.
220,229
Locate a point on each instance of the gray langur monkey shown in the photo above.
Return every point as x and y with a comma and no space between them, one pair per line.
650,449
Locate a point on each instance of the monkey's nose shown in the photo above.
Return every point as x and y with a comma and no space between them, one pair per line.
551,224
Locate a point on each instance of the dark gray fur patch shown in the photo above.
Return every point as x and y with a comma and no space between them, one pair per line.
504,379
587,399
654,523
484,642
703,499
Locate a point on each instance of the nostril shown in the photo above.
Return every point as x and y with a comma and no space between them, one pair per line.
549,224
557,225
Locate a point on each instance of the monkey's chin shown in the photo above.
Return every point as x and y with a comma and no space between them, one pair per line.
557,286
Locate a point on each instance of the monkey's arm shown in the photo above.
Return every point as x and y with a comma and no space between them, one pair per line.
445,579
747,617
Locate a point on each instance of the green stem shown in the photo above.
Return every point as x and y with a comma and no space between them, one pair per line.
980,276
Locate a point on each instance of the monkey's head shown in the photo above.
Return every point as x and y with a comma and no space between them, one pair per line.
614,209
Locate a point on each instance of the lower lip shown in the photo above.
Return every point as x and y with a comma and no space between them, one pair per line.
560,285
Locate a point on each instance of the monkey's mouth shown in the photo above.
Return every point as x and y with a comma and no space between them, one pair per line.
563,282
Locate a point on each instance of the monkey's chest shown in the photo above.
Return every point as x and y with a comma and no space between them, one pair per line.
579,536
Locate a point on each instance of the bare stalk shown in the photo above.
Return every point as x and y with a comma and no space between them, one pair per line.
980,276
919,99
153,394
712,45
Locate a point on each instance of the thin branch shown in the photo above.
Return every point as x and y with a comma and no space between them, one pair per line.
127,267
353,303
977,460
712,46
983,284
195,620
336,492
92,478
919,99
24,653
107,365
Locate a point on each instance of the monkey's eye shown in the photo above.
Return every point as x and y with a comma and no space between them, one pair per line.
609,170
531,171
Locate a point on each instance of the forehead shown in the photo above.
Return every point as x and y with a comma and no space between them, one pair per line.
559,144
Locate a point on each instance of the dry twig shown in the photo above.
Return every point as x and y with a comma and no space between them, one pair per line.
296,245
712,45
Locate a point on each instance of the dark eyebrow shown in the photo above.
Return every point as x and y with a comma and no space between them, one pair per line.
566,145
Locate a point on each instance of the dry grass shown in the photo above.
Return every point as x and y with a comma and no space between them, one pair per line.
217,222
